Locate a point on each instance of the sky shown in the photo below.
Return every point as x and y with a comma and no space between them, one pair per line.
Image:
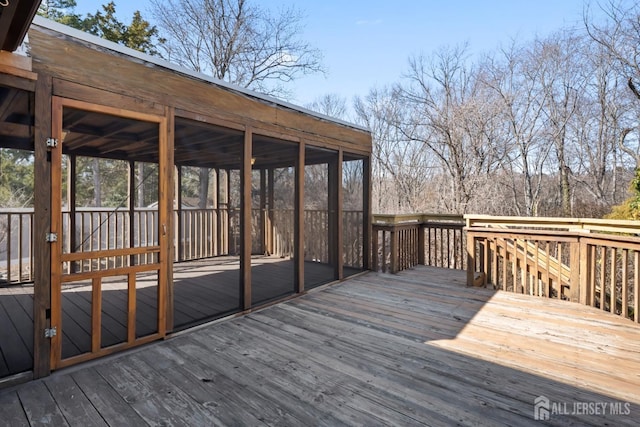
367,44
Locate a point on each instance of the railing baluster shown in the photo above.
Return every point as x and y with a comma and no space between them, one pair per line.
592,274
636,286
603,284
625,283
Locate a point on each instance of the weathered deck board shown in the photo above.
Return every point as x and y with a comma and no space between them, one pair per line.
416,348
204,290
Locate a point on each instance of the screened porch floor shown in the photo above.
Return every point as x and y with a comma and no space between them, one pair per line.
203,290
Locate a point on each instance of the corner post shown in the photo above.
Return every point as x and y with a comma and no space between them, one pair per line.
394,250
471,258
576,281
421,244
42,225
298,220
245,221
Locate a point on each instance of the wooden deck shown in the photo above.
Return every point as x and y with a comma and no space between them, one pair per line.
204,290
416,348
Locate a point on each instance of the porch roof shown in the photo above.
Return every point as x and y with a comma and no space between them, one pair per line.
155,61
15,19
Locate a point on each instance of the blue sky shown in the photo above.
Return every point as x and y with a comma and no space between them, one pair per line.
367,43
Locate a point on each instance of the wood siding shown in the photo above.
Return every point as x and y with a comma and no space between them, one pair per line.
71,63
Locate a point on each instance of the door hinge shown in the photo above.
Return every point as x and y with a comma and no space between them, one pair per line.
51,237
50,332
52,142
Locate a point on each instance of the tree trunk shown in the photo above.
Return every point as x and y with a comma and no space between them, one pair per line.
203,190
97,184
140,185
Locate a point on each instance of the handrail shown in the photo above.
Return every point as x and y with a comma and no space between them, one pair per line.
591,261
584,225
198,233
405,240
394,219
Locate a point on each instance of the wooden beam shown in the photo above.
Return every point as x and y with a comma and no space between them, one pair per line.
245,222
16,66
299,220
42,225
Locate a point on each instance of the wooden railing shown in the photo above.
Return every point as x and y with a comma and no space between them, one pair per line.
400,242
16,243
590,261
198,234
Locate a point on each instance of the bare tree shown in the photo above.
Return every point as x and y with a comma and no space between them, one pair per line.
401,169
453,119
236,41
331,104
603,109
620,38
515,77
561,83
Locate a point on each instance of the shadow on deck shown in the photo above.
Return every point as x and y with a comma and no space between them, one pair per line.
409,349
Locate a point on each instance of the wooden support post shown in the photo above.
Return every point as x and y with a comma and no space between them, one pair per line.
270,210
71,200
603,272
335,215
612,280
218,214
167,188
374,250
228,234
486,262
574,265
471,258
625,284
179,221
263,212
299,220
132,209
132,301
421,243
367,227
96,314
55,186
585,272
42,225
394,250
340,217
166,168
245,222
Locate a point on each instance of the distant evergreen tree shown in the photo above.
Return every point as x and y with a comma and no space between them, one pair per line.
630,209
139,34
